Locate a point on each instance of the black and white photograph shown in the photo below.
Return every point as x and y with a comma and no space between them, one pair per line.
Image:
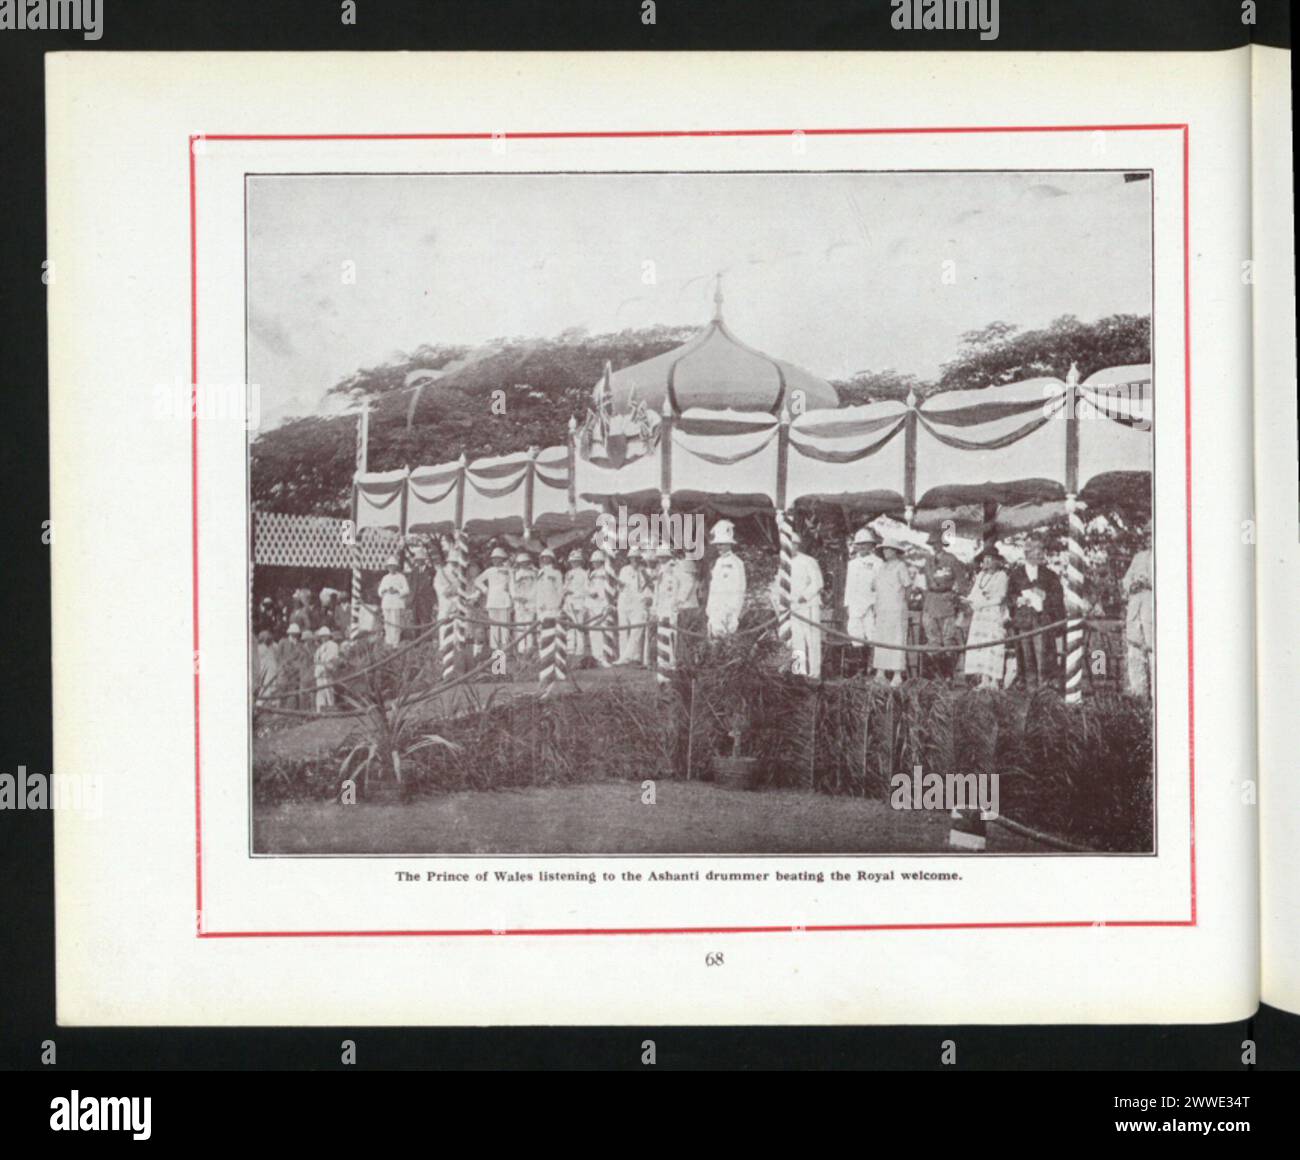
812,509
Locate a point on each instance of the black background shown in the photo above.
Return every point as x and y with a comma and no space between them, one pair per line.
26,889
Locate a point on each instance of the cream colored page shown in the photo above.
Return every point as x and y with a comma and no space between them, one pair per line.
120,166
1277,507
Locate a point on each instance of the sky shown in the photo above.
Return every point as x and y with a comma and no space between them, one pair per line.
835,272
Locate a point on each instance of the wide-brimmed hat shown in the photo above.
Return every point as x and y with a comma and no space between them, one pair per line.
723,532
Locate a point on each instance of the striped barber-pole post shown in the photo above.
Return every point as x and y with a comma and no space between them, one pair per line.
609,629
359,465
785,530
665,650
1075,607
447,649
546,656
462,594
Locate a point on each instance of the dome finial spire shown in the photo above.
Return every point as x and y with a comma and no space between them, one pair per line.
717,298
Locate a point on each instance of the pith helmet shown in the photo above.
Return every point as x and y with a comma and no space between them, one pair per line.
499,554
575,557
523,558
723,532
863,536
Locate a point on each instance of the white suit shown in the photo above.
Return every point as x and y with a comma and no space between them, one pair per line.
393,591
860,596
806,601
1139,625
664,609
631,613
575,608
495,583
599,612
726,594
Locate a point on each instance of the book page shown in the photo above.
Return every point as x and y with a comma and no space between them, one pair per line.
617,539
1277,508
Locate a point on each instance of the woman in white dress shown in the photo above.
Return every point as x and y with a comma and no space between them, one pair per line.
890,586
987,600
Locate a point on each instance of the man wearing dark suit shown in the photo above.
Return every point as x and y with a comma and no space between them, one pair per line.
1036,598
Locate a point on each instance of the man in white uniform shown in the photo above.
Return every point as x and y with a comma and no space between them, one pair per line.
575,605
393,591
523,584
664,609
860,600
1139,625
726,582
548,591
494,583
806,606
600,608
631,609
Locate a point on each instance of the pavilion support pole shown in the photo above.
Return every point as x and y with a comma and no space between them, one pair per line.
530,478
784,587
548,637
573,467
361,461
785,539
666,457
608,634
458,564
989,526
909,460
1075,605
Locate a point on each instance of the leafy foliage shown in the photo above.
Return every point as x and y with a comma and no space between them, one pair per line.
1000,353
305,465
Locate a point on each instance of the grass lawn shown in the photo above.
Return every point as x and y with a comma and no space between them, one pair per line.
609,818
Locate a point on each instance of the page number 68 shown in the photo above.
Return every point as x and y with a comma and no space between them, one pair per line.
713,959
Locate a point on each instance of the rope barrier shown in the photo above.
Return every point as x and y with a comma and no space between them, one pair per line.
413,699
931,648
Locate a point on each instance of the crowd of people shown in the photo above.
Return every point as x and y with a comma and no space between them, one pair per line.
609,605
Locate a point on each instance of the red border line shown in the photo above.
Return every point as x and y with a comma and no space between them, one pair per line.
1187,447
641,133
637,134
194,545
